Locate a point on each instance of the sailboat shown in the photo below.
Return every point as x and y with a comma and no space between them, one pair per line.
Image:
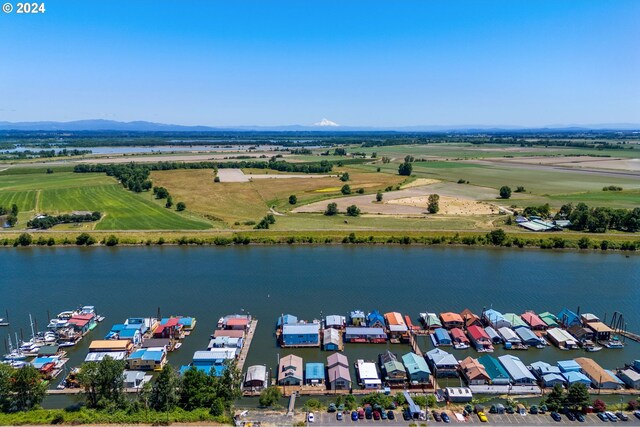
14,354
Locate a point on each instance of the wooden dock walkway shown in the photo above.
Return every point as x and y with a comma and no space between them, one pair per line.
630,335
414,345
242,358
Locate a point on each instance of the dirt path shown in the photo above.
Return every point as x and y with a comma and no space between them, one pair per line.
238,175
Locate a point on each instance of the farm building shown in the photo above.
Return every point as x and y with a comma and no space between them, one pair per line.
287,319
335,321
256,378
561,338
527,337
314,374
549,319
493,335
599,377
474,372
515,320
331,340
630,377
534,321
360,334
451,320
517,370
368,375
290,370
568,318
339,377
442,364
576,377
508,336
458,394
470,318
497,374
393,370
417,368
147,359
301,335
495,319
375,320
459,338
442,337
569,366
357,318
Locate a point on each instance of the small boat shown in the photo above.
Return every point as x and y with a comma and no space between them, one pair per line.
4,322
593,349
614,343
177,346
66,344
100,318
461,346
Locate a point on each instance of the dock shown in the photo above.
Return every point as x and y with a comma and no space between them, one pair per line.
414,345
247,343
630,335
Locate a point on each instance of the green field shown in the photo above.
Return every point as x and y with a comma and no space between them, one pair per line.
66,192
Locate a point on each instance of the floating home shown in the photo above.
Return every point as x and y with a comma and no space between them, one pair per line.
527,337
459,339
441,337
430,321
442,364
368,375
314,374
495,319
398,330
534,321
235,322
212,362
417,369
630,377
357,318
518,372
509,336
479,338
148,359
290,370
561,339
339,377
599,377
256,378
451,320
135,379
375,320
470,318
515,321
300,335
365,335
576,377
568,318
474,372
493,334
549,319
393,370
568,366
335,322
331,340
496,372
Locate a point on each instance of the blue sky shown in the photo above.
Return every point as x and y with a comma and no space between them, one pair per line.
356,62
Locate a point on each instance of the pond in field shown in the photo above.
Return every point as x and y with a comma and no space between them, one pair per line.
310,282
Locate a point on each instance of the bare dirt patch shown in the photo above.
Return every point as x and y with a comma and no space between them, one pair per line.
237,175
420,182
450,205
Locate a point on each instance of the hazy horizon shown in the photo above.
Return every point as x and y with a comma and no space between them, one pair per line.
380,64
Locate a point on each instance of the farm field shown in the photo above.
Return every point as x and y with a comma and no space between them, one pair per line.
65,192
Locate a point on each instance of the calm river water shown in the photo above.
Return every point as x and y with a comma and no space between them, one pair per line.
308,281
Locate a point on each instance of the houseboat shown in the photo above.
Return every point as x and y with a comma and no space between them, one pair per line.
365,335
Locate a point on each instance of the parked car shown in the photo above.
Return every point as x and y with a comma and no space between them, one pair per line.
406,415
391,415
361,414
354,416
603,417
341,408
436,416
311,418
339,416
332,407
637,414
376,415
556,417
509,410
368,414
570,416
533,410
579,417
622,416
383,415
445,417
612,417
482,417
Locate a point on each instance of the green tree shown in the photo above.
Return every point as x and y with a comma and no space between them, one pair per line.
216,179
24,239
103,383
11,220
181,206
14,209
346,189
577,396
353,210
27,388
379,196
408,158
169,202
197,389
270,396
6,374
556,398
49,171
164,394
405,169
505,192
85,239
350,402
293,199
344,177
332,209
497,237
112,240
434,203
520,189
160,192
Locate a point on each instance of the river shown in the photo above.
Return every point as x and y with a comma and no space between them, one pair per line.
312,281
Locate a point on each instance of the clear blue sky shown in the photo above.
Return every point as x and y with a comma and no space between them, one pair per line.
356,62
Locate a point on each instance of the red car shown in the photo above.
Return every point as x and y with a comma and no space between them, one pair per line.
376,415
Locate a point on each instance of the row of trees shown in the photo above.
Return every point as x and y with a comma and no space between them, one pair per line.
601,219
332,209
103,386
11,213
48,221
163,193
31,154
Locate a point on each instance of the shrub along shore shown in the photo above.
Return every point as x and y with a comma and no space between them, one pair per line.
495,238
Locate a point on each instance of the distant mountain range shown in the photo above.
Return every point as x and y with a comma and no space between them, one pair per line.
325,126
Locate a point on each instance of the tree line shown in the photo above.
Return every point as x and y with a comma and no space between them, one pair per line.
48,221
30,154
595,220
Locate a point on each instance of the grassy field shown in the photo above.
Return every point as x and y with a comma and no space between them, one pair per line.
66,191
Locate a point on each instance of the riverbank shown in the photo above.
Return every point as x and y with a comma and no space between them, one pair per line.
495,238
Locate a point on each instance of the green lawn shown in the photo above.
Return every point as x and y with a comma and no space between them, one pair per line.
26,200
123,210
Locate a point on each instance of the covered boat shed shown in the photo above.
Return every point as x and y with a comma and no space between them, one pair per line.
517,370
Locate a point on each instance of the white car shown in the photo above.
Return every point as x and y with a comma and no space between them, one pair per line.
311,418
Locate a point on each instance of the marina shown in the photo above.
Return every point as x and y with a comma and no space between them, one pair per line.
223,277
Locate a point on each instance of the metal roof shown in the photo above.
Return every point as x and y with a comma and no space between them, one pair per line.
301,329
516,369
494,369
314,371
415,363
568,366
